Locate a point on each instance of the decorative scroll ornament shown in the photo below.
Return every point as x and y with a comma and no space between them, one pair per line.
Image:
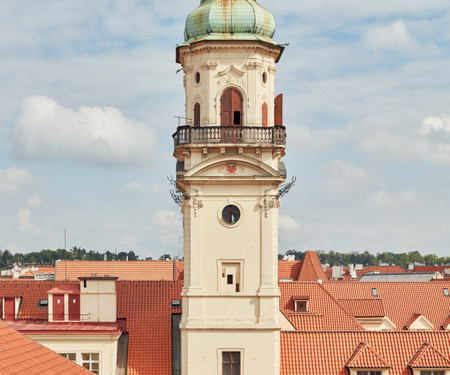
267,203
210,65
195,204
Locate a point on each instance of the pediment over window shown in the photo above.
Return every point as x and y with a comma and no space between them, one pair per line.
427,358
418,322
365,360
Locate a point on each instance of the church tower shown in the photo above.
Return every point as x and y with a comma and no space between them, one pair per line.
229,169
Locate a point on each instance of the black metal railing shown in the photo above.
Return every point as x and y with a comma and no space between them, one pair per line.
256,135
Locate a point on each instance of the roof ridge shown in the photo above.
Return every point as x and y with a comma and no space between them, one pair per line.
342,307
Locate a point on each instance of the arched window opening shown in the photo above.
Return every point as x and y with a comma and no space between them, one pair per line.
231,108
196,115
265,115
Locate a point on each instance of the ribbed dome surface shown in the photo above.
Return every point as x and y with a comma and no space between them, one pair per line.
229,19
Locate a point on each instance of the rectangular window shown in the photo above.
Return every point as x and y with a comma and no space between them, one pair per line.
300,306
446,292
369,373
374,292
91,362
432,372
230,277
42,304
71,356
231,363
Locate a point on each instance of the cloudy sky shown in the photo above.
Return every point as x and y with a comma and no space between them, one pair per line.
89,94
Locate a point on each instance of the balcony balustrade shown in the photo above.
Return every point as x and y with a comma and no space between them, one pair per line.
254,135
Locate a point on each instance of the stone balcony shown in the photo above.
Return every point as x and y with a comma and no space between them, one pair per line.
230,135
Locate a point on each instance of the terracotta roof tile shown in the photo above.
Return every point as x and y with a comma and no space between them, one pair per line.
366,308
65,289
335,317
288,270
310,268
146,305
440,269
428,357
131,270
306,353
20,355
446,323
400,299
306,321
365,357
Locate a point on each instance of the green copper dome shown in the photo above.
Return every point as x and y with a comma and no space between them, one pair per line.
229,20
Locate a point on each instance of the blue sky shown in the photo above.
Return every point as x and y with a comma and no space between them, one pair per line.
89,94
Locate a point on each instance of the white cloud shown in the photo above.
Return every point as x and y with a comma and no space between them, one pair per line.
288,223
383,199
25,224
12,179
342,176
135,187
35,200
391,37
435,124
45,130
167,219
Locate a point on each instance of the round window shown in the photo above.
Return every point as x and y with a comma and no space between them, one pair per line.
264,77
231,214
197,78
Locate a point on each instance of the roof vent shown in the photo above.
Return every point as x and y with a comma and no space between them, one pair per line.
106,276
175,304
93,275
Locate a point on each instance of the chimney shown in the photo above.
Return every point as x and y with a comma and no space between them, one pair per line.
105,257
174,268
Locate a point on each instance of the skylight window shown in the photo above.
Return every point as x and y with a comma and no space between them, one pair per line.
446,292
374,292
42,304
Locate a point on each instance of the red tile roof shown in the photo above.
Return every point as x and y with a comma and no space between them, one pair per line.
31,292
367,308
400,299
306,353
429,357
20,355
131,270
440,269
365,357
310,268
365,270
335,317
306,321
288,269
146,305
446,323
65,289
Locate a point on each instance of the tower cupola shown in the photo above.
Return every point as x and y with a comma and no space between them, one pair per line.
229,20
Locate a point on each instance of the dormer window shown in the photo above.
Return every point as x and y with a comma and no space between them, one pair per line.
301,304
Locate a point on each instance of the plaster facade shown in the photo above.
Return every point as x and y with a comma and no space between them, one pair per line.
230,208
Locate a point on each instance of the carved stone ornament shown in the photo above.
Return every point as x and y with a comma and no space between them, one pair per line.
231,169
231,76
272,69
210,65
188,69
252,65
267,203
186,152
195,204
